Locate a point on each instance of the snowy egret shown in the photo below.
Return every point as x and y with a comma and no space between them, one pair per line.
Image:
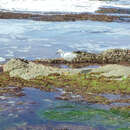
68,56
2,59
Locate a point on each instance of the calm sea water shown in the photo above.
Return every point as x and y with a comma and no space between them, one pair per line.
34,39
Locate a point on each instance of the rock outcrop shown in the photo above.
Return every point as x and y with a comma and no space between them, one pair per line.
113,70
65,17
111,56
29,70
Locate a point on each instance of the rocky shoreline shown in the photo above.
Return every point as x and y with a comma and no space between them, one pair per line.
108,85
89,84
110,56
99,87
113,10
103,14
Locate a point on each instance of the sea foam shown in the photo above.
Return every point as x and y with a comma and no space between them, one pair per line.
64,6
46,6
50,5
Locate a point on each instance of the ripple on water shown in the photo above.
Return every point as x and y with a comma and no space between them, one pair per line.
38,39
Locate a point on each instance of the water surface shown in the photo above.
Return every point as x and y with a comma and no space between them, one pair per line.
39,109
34,39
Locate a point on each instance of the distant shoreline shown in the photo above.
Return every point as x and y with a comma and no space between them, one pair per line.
103,14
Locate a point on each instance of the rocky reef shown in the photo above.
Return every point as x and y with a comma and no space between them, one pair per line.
110,56
29,70
76,86
113,10
64,17
82,84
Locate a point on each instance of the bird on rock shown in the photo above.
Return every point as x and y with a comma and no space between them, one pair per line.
68,56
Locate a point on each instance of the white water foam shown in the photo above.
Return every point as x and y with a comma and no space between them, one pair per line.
51,5
63,6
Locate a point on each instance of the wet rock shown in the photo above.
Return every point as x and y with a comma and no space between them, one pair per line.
69,96
116,56
113,10
63,17
30,70
62,98
110,56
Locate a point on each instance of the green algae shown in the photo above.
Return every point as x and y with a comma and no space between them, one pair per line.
123,111
89,86
86,115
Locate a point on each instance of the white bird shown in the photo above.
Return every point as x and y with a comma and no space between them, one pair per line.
68,56
2,59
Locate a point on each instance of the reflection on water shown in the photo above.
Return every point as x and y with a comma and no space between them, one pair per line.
37,109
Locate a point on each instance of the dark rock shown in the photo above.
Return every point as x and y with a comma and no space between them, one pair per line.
110,56
63,17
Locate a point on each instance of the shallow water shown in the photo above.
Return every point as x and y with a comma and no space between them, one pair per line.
37,109
35,39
